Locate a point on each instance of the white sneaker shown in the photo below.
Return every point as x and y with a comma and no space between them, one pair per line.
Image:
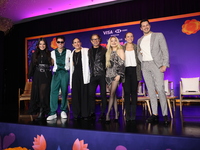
52,122
52,117
63,122
63,115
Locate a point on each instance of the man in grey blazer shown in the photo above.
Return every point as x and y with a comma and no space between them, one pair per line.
154,57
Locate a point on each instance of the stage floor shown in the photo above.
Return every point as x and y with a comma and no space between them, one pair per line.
185,124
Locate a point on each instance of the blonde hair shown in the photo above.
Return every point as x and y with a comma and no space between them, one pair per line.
109,50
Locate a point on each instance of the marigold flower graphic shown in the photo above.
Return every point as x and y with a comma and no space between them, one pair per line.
17,148
191,26
53,43
79,145
39,143
103,44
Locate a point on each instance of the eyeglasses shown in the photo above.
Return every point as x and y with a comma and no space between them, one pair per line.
60,42
94,39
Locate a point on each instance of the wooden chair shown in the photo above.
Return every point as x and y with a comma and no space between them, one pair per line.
146,101
188,95
141,89
98,95
170,95
168,86
25,96
141,98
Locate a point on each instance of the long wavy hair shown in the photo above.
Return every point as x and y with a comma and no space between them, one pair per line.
37,51
109,50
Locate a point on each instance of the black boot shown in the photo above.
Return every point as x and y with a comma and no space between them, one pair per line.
127,114
133,112
41,115
92,116
153,119
166,120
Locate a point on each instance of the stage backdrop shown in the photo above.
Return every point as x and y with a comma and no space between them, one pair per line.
181,32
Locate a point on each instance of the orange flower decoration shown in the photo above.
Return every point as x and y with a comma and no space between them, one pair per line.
191,26
79,145
39,143
103,44
17,148
53,43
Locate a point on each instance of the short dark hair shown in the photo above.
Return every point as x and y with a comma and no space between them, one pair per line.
60,37
144,20
97,36
74,39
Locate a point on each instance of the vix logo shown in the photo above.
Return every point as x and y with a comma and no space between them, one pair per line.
118,30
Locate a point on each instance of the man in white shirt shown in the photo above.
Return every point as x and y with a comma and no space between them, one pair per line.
153,54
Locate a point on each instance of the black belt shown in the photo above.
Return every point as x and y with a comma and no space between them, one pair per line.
43,70
43,67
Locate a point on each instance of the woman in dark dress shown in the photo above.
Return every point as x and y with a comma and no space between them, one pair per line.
40,72
79,80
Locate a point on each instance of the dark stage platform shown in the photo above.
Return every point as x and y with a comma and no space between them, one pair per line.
182,133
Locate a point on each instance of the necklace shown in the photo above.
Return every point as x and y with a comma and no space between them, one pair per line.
41,58
76,57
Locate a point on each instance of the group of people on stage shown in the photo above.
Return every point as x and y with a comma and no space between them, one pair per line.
84,69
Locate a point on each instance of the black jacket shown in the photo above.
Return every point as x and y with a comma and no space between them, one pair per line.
97,66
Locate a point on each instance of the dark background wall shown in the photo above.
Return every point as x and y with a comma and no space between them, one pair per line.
14,45
1,66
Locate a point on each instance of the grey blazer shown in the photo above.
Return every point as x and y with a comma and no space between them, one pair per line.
138,67
159,50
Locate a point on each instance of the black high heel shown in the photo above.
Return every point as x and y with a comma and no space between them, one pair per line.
107,119
116,120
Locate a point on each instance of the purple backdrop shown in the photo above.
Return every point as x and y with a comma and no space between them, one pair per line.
184,50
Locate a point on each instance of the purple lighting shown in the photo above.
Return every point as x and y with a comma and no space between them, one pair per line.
22,9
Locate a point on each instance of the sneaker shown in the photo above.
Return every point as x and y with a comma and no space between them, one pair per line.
166,120
52,117
63,115
63,121
52,122
152,119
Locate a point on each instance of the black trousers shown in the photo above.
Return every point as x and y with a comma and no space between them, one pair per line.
94,82
130,91
80,105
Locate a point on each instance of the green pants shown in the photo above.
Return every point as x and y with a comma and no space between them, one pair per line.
60,80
